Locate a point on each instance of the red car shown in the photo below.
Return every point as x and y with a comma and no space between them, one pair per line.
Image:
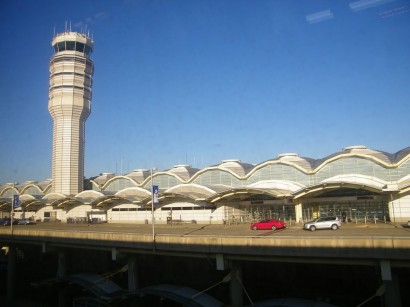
268,224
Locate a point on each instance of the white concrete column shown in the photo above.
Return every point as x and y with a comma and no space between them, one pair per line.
132,274
235,286
298,211
62,264
11,274
391,285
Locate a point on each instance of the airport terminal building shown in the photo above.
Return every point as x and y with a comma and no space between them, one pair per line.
365,184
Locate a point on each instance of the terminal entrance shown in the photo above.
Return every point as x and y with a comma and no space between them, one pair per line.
351,205
257,212
256,207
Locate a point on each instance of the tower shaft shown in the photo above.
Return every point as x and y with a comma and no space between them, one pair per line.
71,71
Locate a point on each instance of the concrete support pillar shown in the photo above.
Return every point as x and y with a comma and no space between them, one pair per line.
62,272
132,274
391,285
62,264
298,211
235,286
392,294
221,263
11,274
114,254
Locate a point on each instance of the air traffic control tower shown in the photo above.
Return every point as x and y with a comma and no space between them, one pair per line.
69,104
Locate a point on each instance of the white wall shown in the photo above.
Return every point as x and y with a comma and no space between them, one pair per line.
400,209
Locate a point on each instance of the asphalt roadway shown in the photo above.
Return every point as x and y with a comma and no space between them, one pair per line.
233,230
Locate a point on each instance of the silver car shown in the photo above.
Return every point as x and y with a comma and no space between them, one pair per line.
325,222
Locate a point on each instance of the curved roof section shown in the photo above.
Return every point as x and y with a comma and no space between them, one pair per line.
102,178
277,184
45,185
88,196
236,166
135,194
306,164
51,197
309,165
7,190
67,201
318,189
193,191
243,193
183,171
355,179
139,175
5,205
26,187
25,201
32,188
404,184
402,154
386,159
238,169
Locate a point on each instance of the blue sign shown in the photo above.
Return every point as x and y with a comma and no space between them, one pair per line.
155,190
16,201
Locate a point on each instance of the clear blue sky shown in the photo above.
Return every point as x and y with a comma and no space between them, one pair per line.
199,81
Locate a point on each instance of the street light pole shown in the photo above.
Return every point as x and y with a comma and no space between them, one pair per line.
12,208
152,208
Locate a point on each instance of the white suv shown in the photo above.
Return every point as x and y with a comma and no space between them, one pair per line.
325,222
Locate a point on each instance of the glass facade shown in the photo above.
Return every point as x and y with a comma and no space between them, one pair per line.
164,181
72,46
119,184
214,177
356,211
359,195
33,190
357,205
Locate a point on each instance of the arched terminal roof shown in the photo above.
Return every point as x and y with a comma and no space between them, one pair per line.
380,157
233,174
139,175
283,185
102,178
404,185
183,171
305,164
318,189
244,193
192,191
135,195
309,165
236,167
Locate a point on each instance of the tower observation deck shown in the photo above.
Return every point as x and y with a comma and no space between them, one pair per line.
69,104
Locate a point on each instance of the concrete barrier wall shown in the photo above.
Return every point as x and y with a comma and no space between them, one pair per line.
369,247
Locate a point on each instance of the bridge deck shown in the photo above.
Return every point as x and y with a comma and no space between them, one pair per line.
371,241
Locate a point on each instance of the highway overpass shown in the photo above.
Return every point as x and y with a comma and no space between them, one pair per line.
382,246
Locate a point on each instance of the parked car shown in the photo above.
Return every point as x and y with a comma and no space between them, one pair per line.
268,224
26,222
325,222
7,221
